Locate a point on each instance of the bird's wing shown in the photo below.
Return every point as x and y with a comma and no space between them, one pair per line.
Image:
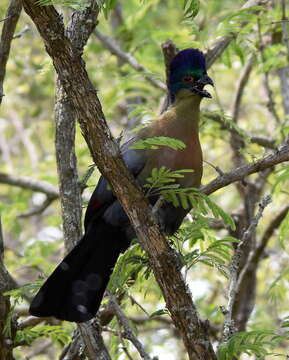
102,196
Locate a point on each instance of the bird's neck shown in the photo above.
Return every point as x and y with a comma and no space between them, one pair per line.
180,121
187,110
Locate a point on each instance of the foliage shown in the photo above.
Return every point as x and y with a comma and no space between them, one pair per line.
251,343
157,141
208,237
191,8
160,182
55,332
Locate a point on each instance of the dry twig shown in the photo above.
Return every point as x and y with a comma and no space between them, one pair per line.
229,325
129,334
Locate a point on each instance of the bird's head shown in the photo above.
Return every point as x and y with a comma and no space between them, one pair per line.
188,72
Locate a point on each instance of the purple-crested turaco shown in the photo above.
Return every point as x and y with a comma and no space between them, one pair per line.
75,289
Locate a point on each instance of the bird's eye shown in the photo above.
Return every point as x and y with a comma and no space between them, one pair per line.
188,79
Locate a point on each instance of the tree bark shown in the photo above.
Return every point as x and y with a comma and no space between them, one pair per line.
105,152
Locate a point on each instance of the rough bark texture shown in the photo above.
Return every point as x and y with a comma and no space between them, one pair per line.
6,284
6,342
78,31
276,157
11,19
72,74
95,346
69,186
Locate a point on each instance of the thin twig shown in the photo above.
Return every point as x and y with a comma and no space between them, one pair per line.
278,156
229,327
6,283
216,168
83,181
29,183
270,100
22,32
264,141
223,42
256,254
129,334
8,17
37,210
31,321
116,50
236,140
242,82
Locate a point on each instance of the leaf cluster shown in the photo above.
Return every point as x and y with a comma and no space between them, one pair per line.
254,342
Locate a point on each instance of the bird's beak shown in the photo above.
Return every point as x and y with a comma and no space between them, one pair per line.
206,80
200,84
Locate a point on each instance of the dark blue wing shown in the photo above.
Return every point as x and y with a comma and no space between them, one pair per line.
102,197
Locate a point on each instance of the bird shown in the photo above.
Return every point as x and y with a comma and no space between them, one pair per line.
75,289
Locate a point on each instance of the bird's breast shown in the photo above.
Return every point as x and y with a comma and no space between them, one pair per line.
188,158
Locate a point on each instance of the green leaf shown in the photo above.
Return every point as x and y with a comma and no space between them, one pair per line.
191,9
157,141
56,332
159,312
256,342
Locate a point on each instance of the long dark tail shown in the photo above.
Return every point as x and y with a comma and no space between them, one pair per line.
74,291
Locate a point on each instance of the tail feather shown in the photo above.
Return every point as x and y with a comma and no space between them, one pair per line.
75,289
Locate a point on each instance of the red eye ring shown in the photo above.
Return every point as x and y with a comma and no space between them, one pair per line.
188,78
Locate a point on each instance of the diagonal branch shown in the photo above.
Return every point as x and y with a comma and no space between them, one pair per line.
223,42
128,332
276,157
116,50
169,50
105,152
78,31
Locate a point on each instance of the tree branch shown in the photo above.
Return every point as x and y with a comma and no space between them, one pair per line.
236,140
229,324
256,255
264,141
170,50
276,157
128,332
243,80
6,283
11,19
95,347
105,152
223,42
116,50
31,321
79,29
29,183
